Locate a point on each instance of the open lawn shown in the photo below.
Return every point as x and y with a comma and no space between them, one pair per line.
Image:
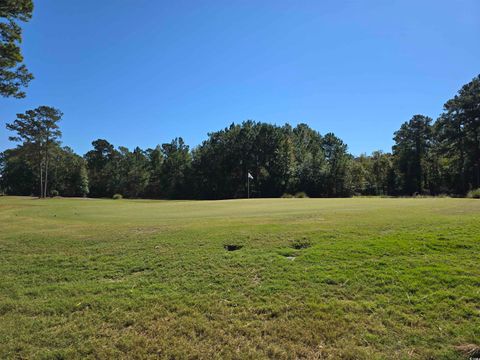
360,278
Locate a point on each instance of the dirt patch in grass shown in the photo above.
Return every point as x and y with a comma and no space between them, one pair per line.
300,244
232,247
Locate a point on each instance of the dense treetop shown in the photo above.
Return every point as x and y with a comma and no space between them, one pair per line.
14,75
427,158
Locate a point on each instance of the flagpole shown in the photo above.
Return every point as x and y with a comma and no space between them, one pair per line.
248,186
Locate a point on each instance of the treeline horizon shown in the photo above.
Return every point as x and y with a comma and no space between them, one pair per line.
428,157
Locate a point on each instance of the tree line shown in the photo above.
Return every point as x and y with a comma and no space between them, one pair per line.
428,157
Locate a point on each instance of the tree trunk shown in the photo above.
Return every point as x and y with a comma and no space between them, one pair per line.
41,180
477,155
46,168
46,177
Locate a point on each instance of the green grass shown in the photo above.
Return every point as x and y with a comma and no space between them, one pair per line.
362,278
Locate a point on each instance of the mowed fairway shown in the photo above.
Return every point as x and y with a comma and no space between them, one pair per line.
372,278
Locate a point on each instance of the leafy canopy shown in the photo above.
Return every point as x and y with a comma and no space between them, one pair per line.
14,75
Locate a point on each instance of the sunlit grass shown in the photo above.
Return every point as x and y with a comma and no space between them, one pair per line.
312,278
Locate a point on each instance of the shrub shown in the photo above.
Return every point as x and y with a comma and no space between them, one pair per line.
474,194
287,196
54,193
301,194
117,197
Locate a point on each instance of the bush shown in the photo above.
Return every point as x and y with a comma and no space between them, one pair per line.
474,194
117,197
287,196
301,194
54,193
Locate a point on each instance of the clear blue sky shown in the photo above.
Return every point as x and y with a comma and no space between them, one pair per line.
140,72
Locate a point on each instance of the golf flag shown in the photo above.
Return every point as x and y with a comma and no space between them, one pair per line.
250,176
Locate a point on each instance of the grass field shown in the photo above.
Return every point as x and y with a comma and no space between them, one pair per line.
361,278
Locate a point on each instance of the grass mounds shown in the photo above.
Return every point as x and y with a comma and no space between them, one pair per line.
474,194
298,195
360,278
